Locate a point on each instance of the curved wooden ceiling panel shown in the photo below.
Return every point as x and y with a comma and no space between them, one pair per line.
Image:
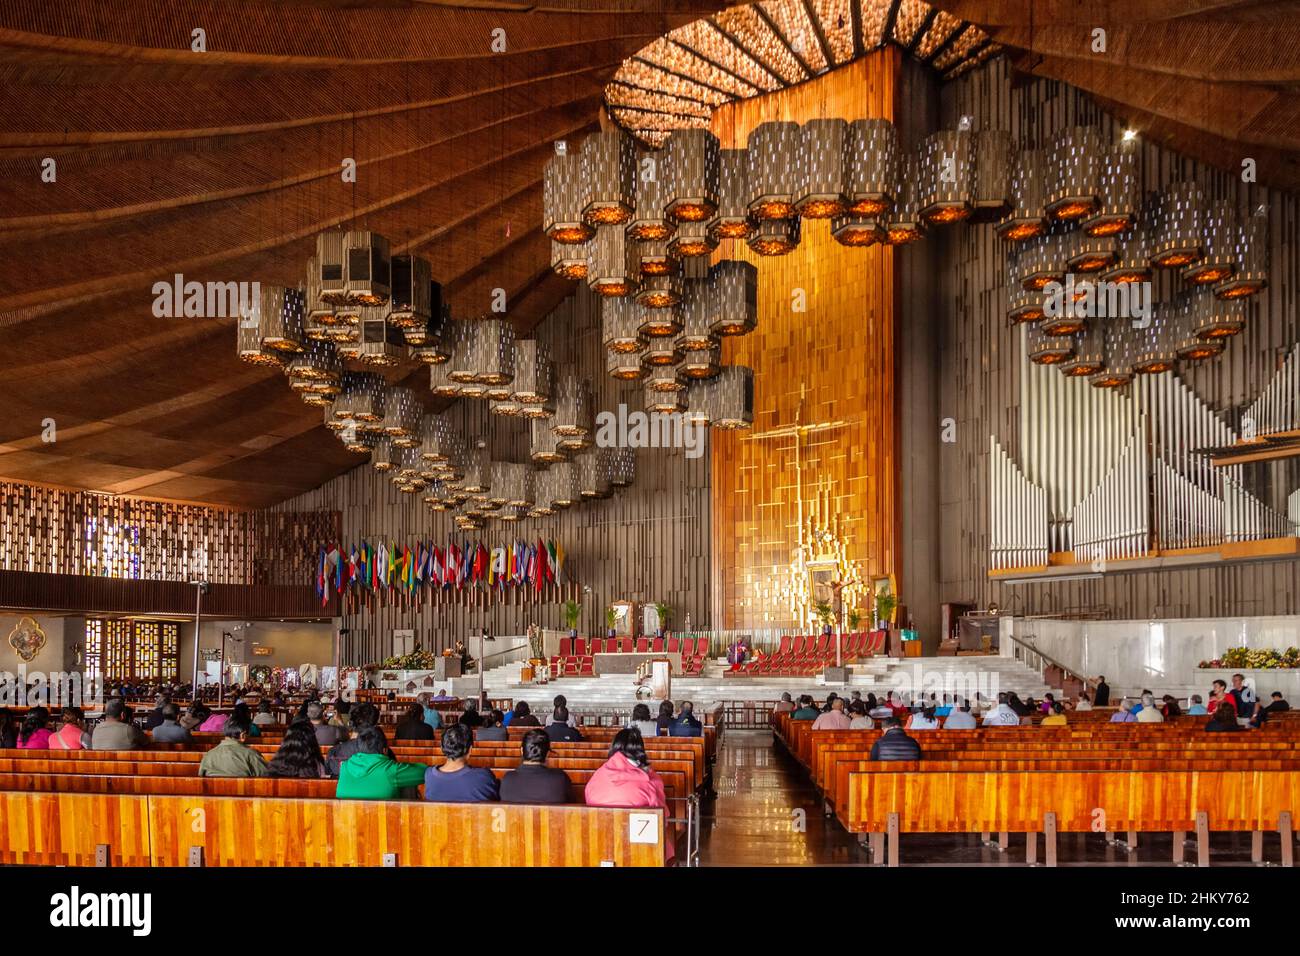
224,165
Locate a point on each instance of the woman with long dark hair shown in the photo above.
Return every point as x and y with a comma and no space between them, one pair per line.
626,778
244,715
34,734
299,754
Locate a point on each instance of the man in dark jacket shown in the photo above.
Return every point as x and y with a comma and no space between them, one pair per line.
894,744
558,730
363,716
1102,697
686,724
532,781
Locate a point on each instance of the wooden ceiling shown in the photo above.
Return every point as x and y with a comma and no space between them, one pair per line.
223,165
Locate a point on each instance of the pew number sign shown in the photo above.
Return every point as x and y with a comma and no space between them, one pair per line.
643,827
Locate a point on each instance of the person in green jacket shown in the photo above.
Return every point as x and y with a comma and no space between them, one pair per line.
232,757
370,774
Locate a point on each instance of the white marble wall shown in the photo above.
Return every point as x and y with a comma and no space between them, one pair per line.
1161,655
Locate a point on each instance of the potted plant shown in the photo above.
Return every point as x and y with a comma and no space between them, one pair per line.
663,612
855,618
611,618
825,614
572,611
885,604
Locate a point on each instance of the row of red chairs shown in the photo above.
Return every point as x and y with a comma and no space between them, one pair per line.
576,654
806,654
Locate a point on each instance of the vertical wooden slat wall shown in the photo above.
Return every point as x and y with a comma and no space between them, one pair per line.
837,358
648,543
979,373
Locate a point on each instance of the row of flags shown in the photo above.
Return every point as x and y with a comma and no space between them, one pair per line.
402,568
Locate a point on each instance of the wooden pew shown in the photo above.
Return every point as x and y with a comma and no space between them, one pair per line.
79,829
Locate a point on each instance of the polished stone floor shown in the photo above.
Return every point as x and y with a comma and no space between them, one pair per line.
766,813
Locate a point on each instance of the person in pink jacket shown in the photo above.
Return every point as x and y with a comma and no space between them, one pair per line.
34,734
626,779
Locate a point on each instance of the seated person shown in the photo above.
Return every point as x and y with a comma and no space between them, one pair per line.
371,772
961,718
686,724
524,716
263,717
1277,704
642,722
73,734
1083,703
363,715
878,708
626,779
1170,708
327,735
493,727
232,757
1196,707
412,725
470,717
560,701
1124,715
532,781
858,719
115,731
894,744
456,781
195,716
170,730
34,732
1056,718
665,718
1219,697
1003,715
1223,720
785,705
299,754
805,710
924,719
342,716
431,715
833,719
1150,713
560,729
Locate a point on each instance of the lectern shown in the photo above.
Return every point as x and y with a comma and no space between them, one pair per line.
661,681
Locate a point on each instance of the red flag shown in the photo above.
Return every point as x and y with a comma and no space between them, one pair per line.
542,573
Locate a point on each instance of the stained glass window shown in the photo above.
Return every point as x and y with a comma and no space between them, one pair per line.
132,650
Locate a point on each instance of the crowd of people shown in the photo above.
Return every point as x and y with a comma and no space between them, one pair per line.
1229,709
346,741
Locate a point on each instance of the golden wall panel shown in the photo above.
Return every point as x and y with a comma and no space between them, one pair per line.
833,363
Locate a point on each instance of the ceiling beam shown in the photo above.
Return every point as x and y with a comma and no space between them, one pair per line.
747,84
747,53
656,65
922,30
855,15
891,19
804,65
948,41
815,22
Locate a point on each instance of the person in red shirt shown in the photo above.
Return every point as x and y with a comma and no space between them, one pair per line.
1219,697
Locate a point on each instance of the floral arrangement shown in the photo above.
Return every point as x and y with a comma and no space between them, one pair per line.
414,661
1259,659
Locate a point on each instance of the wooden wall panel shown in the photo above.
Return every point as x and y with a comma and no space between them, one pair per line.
648,543
979,372
834,362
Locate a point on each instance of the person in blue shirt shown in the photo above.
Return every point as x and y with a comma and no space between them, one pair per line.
456,781
1197,708
431,715
686,724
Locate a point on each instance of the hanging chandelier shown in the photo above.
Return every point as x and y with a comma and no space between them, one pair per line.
819,161
871,173
1074,173
691,159
564,197
772,152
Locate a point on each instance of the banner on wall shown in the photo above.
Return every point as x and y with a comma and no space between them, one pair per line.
386,568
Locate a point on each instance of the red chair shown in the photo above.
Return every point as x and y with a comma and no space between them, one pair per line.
657,645
566,647
642,645
702,647
673,644
579,646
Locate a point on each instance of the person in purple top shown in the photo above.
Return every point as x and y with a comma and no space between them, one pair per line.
456,781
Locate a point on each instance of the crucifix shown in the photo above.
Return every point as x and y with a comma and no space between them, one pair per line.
797,430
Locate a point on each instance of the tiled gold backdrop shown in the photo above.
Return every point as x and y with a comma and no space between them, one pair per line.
837,358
